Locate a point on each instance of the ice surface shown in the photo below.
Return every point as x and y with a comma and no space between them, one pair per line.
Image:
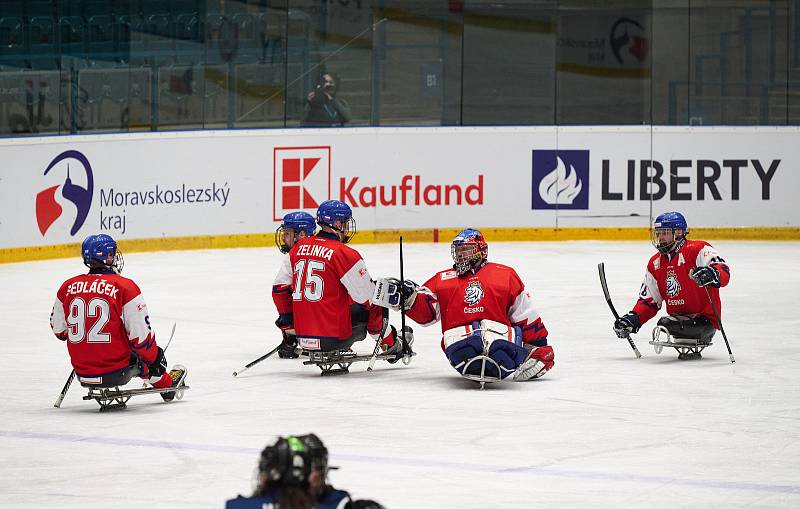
601,430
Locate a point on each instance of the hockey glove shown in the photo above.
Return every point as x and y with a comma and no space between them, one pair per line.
156,368
285,321
626,325
705,276
390,292
288,348
409,293
540,360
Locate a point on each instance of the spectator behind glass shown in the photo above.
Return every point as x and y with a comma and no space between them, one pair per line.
323,108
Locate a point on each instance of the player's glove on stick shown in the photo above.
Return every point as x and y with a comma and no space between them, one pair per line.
705,276
627,324
390,293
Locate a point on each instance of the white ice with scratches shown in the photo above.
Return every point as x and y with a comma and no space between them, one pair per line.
601,430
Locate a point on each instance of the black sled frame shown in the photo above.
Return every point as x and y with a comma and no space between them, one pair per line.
114,398
338,362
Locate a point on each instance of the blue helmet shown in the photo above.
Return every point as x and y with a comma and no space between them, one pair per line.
469,251
295,226
669,221
332,212
101,249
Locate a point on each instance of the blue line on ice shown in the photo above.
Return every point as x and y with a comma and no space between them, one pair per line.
418,462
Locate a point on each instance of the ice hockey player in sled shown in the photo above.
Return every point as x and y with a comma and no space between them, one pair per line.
323,289
485,311
103,318
295,226
292,474
677,274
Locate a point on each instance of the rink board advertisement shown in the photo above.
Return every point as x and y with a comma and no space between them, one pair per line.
167,185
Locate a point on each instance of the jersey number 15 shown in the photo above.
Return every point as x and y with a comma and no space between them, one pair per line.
307,282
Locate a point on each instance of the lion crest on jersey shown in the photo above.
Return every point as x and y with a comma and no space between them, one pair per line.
673,286
474,293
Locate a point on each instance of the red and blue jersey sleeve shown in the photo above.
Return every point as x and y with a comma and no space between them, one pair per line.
522,314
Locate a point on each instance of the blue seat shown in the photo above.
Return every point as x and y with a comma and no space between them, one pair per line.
72,35
12,42
180,7
101,44
129,37
125,8
94,8
70,8
36,9
249,45
159,42
188,46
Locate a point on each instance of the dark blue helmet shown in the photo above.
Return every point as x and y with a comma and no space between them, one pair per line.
673,222
294,227
469,251
337,215
101,249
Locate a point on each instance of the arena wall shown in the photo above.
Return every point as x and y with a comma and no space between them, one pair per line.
214,189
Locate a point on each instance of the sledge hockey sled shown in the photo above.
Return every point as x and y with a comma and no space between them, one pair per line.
337,362
687,348
115,398
482,378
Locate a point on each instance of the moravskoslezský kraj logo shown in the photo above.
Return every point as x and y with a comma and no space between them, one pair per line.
48,209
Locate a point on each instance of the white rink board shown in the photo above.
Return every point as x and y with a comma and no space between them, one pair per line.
152,185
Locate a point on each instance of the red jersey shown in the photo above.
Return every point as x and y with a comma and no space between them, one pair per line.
667,279
102,316
316,284
494,292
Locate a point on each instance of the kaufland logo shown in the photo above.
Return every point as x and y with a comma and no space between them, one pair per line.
302,179
74,168
560,179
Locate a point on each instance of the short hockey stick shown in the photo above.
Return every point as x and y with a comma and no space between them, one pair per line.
386,320
602,270
169,341
263,357
406,346
171,334
61,396
716,315
375,352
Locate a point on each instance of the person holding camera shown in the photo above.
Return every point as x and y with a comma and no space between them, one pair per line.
323,108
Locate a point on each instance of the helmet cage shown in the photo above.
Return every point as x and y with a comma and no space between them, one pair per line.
280,238
666,247
469,251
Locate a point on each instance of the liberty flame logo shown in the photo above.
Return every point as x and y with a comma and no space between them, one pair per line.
560,185
560,179
474,293
673,286
48,209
